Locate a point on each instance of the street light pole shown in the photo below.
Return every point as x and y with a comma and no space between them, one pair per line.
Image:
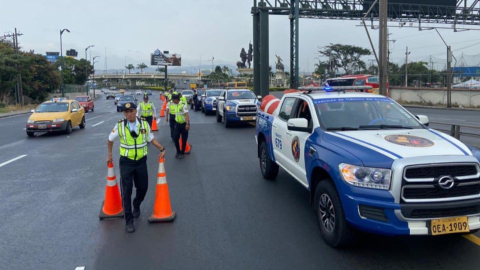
63,61
93,64
86,66
200,68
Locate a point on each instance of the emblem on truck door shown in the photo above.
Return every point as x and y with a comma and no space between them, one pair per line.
296,149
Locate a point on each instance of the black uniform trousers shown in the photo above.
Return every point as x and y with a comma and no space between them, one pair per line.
133,172
180,130
149,120
172,122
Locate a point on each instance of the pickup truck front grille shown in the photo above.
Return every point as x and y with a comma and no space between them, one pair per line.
247,110
437,171
432,192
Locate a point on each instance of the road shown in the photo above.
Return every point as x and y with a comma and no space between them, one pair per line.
228,217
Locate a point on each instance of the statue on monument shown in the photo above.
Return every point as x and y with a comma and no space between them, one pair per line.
250,54
243,56
279,65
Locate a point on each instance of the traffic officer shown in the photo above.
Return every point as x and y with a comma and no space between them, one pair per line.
182,124
147,110
134,135
171,117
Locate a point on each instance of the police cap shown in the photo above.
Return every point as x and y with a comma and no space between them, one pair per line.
175,96
129,106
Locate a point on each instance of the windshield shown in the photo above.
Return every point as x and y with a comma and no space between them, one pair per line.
373,79
119,95
341,82
53,107
215,93
200,92
363,113
126,98
81,99
187,92
240,95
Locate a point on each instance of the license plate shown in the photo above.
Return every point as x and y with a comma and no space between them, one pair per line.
248,118
42,126
449,225
214,109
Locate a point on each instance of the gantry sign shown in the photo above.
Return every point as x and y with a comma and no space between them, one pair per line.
406,12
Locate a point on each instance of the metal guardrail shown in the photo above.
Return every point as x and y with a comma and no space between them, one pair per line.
455,129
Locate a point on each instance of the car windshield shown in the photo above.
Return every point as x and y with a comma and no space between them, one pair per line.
200,92
363,114
81,99
240,95
187,92
214,93
53,107
126,98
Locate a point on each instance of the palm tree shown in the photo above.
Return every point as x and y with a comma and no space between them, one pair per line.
130,67
160,69
225,69
141,66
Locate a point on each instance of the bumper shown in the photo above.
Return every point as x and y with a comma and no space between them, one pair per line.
233,117
46,127
385,218
210,108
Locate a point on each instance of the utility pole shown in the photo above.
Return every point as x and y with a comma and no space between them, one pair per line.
383,45
449,76
18,87
406,67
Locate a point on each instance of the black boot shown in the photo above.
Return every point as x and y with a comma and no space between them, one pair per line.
130,228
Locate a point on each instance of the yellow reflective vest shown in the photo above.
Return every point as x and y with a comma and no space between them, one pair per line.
177,110
147,109
130,147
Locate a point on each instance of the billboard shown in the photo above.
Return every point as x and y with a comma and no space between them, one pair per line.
52,56
405,8
165,59
72,53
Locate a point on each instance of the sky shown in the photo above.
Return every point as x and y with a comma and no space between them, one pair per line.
130,31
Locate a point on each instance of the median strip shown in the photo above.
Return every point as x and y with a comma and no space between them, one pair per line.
98,124
12,160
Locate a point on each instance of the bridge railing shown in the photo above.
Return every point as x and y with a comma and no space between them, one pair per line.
457,130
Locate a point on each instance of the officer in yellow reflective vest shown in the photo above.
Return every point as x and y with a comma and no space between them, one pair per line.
134,134
147,110
171,117
182,124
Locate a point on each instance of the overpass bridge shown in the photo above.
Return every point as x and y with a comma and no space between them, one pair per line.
181,80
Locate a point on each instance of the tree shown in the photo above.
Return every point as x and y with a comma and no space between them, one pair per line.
130,67
142,66
322,68
218,69
160,69
346,57
74,70
225,70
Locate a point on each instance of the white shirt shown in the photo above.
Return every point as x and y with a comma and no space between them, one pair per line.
139,109
131,126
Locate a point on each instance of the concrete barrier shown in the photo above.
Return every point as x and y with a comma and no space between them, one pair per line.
467,98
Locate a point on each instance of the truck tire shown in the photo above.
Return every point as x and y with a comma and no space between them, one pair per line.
219,117
268,168
335,229
225,120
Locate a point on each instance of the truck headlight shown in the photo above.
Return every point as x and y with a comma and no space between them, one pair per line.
30,121
366,177
230,108
58,120
208,101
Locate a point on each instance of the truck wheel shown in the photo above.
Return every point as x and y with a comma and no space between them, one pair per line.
83,124
30,134
336,231
68,129
267,166
219,117
225,120
93,109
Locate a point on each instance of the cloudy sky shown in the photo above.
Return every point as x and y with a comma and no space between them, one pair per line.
200,29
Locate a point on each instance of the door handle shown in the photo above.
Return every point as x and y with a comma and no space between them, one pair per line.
312,151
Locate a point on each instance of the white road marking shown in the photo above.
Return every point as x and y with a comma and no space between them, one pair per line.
12,160
80,268
98,124
94,117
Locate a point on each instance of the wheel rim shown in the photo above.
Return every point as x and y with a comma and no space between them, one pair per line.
327,213
263,160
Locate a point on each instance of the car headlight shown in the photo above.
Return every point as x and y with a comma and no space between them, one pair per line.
366,177
230,108
58,120
30,121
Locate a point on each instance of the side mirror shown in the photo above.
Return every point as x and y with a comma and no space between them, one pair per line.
221,98
203,95
259,97
298,124
74,110
423,119
32,111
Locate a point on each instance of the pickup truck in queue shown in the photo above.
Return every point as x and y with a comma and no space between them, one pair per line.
237,105
369,164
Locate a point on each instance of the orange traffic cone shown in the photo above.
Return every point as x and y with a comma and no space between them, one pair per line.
188,149
162,210
162,113
154,125
112,206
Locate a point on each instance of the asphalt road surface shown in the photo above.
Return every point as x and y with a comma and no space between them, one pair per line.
228,217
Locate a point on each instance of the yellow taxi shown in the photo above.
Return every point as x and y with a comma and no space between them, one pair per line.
56,115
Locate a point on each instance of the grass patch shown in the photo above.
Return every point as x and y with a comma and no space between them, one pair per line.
14,108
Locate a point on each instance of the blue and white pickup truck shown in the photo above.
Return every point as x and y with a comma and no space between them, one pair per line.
370,165
209,100
237,105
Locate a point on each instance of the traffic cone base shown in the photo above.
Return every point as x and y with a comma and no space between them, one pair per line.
162,209
154,125
103,215
188,150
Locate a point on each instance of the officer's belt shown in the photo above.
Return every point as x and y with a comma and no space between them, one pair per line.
133,146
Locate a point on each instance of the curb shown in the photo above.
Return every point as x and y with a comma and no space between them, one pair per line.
439,108
13,114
